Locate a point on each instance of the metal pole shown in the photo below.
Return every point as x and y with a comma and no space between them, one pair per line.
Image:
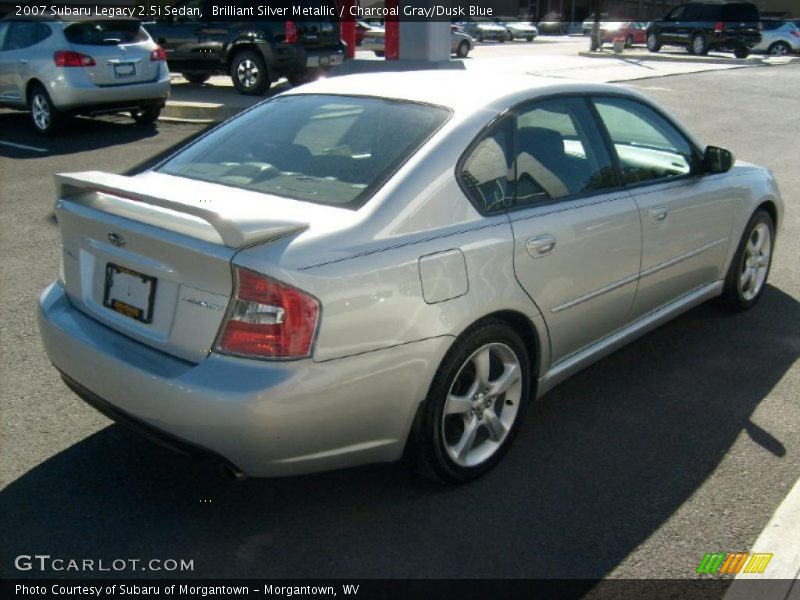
596,42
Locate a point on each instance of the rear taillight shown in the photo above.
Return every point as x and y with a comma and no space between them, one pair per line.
719,27
291,32
158,54
68,58
268,319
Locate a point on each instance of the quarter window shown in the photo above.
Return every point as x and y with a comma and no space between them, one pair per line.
560,153
487,172
648,146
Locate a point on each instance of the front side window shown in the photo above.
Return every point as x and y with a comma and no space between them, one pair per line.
647,145
320,148
676,14
487,172
560,153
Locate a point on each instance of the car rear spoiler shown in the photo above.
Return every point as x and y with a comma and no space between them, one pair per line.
234,220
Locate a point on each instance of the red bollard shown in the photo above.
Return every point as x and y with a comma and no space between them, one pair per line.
392,25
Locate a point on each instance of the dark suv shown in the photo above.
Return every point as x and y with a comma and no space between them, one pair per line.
704,26
253,50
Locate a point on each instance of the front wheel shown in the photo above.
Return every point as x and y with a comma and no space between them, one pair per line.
779,49
741,53
249,73
653,44
196,77
747,275
146,115
44,115
475,404
462,50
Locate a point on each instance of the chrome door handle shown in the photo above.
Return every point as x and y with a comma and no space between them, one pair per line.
658,214
540,245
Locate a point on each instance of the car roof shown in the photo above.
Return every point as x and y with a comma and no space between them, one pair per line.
458,90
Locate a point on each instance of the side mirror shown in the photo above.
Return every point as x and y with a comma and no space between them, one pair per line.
718,160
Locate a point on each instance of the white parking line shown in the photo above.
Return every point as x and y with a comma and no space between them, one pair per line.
23,146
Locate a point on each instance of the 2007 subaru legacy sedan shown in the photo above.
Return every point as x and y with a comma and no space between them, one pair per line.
382,264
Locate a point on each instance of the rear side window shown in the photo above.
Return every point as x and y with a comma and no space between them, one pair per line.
24,35
320,148
771,25
105,33
740,12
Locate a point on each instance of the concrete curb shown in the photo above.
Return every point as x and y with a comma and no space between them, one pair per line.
712,60
191,111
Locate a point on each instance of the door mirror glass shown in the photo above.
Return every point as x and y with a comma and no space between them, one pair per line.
718,160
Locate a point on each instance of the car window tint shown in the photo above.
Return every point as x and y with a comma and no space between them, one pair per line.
559,152
319,148
647,145
3,35
771,25
195,6
105,33
21,35
740,12
676,14
487,171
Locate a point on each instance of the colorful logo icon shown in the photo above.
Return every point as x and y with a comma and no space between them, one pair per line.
725,563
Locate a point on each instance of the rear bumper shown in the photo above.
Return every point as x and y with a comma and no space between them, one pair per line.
265,418
75,92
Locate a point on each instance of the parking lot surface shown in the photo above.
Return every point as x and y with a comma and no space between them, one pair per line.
682,443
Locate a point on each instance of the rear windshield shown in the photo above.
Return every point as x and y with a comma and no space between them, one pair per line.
740,12
105,33
320,148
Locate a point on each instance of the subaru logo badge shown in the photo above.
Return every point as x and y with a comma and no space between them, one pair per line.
116,239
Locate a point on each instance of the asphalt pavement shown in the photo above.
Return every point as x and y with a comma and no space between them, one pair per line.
685,442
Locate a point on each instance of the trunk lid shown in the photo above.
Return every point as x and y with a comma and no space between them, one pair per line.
151,256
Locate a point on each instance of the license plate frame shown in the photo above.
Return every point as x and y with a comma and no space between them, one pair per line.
124,70
142,287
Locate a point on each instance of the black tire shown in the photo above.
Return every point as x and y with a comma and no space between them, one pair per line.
779,49
653,44
146,115
741,53
196,77
529,39
629,41
459,370
463,49
45,117
481,38
298,79
737,294
379,53
510,36
698,44
249,73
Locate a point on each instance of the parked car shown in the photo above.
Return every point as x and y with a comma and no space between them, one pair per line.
253,52
779,38
704,26
460,43
520,30
361,28
92,66
553,23
586,26
379,265
631,32
484,30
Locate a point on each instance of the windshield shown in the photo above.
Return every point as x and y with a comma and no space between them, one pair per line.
319,148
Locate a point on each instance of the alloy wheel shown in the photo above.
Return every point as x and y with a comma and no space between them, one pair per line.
40,109
482,404
247,72
755,263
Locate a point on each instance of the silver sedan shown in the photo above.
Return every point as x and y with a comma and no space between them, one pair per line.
382,265
86,66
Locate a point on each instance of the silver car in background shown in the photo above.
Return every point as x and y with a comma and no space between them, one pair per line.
90,66
381,265
461,44
520,30
779,38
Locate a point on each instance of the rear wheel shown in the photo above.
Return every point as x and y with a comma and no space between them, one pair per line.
249,73
779,49
475,404
146,115
196,77
529,38
462,50
747,276
44,116
699,45
653,44
741,53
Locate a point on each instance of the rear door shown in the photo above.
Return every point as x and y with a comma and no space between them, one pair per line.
120,49
577,237
24,50
670,26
